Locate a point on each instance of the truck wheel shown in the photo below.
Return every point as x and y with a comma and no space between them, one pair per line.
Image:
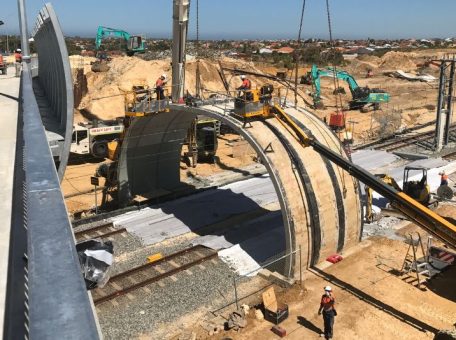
100,149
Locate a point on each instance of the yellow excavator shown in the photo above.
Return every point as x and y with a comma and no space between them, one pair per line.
260,105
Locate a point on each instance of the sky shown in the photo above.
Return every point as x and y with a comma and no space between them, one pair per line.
257,19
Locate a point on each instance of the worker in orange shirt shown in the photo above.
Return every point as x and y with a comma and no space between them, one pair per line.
329,312
246,84
443,178
160,87
18,59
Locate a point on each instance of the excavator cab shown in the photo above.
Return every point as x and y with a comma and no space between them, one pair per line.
419,190
135,44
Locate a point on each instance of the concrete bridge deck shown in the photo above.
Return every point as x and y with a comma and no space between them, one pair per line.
9,106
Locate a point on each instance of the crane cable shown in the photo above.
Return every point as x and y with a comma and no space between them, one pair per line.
336,84
297,51
333,50
198,74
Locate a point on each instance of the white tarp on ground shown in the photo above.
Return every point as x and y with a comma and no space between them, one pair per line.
414,77
238,260
212,241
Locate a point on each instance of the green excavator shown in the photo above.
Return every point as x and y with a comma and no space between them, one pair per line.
363,98
135,43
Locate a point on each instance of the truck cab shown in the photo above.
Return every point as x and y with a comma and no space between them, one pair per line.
93,139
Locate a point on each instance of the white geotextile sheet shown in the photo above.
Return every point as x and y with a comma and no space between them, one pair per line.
238,260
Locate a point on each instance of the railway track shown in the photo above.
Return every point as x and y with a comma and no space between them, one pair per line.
149,273
102,231
404,141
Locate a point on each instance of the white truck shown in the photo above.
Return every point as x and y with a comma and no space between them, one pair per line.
92,138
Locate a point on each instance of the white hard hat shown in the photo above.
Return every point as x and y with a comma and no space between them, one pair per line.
18,50
164,75
242,76
328,289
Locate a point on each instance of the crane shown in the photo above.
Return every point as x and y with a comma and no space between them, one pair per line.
135,43
362,97
262,106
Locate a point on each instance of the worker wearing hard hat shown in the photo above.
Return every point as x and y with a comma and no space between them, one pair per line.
443,178
327,307
160,86
246,84
18,59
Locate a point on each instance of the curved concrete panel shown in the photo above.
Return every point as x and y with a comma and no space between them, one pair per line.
53,85
319,201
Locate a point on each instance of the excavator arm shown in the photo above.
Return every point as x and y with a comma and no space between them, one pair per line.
342,75
103,32
416,212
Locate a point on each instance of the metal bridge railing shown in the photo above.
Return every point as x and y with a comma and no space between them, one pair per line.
46,297
54,74
46,294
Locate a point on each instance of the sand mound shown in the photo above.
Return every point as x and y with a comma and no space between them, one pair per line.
105,90
398,61
357,67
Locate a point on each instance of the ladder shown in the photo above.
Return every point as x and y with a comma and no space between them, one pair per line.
414,264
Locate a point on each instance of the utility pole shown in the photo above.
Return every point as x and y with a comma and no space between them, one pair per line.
444,102
180,27
23,30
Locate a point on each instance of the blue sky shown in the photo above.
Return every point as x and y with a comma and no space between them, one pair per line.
251,19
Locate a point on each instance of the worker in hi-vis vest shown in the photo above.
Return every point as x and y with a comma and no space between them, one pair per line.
329,312
160,87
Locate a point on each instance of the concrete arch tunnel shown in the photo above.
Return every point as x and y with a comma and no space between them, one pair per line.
320,202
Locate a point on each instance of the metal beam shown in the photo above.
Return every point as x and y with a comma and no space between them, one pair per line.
180,26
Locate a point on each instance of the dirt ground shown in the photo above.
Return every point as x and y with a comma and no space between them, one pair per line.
411,102
372,300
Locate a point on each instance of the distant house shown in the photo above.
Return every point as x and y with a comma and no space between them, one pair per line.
265,51
285,50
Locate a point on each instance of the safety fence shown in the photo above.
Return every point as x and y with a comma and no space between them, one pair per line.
55,81
274,265
46,297
46,294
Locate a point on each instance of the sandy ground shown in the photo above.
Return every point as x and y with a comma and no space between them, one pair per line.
373,302
411,102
